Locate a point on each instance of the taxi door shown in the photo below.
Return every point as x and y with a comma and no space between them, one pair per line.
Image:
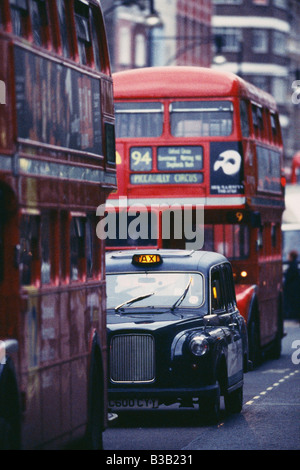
224,304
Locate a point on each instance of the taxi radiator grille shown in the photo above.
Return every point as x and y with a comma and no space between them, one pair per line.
132,358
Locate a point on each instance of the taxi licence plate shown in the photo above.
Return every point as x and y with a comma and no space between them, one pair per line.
134,404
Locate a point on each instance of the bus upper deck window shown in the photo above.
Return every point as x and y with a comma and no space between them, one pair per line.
201,118
139,119
39,21
244,119
61,8
96,48
19,15
273,127
83,32
257,121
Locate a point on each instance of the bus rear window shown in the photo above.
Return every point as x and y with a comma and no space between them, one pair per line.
201,118
139,119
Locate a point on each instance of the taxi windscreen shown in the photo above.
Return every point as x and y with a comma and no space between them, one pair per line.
154,289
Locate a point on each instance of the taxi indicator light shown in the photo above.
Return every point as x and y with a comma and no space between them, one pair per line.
148,259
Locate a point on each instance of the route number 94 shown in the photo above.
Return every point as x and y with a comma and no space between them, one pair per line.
141,158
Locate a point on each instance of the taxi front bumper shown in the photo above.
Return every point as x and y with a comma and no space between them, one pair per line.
163,394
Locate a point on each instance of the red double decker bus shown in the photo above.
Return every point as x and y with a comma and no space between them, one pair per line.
57,162
197,136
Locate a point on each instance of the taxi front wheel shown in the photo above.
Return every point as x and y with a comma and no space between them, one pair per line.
234,401
209,408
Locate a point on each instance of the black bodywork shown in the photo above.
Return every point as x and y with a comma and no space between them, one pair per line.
177,355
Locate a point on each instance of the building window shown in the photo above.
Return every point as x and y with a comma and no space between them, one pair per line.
279,90
260,81
140,50
280,3
260,40
279,43
124,46
231,38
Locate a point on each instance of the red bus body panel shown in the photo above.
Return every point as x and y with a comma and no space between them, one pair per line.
55,322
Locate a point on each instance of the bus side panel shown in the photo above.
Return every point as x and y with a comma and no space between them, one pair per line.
244,296
55,350
270,274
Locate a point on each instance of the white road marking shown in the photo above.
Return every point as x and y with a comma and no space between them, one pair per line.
276,384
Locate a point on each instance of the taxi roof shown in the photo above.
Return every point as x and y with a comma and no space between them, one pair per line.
182,260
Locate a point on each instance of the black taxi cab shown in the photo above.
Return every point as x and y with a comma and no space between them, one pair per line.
175,334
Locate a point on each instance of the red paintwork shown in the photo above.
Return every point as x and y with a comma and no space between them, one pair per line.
53,323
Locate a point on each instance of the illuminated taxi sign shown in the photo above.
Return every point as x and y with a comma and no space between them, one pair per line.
145,258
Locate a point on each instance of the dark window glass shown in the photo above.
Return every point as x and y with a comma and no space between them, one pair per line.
110,147
90,244
83,31
19,12
77,247
45,249
61,8
29,248
139,119
2,206
64,245
229,287
231,240
217,296
39,21
244,119
96,48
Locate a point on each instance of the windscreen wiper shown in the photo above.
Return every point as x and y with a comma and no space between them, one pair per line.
183,295
132,301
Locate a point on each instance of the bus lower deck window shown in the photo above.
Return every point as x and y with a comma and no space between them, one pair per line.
77,244
45,249
29,248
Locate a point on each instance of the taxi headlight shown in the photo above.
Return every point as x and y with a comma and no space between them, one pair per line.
198,345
